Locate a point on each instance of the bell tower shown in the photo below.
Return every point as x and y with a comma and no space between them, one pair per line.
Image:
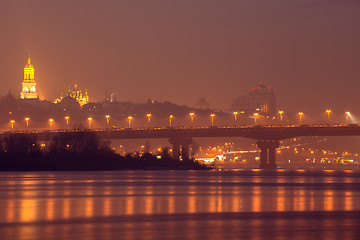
29,84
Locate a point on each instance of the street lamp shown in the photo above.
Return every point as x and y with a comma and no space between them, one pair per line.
281,114
328,111
212,119
170,117
51,122
130,118
192,116
255,117
89,120
347,116
12,122
67,120
27,121
107,120
235,116
149,118
300,116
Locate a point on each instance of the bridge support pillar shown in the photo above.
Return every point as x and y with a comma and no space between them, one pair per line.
267,154
184,142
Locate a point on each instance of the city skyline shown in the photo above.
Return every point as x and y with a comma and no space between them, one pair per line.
217,51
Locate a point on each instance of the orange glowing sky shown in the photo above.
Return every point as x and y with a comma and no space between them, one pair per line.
307,50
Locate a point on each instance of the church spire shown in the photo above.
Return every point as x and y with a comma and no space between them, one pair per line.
28,84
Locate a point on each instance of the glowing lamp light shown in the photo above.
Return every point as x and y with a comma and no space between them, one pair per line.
212,119
129,119
12,122
90,120
170,117
192,116
328,111
27,121
347,116
67,120
281,114
300,117
256,115
235,115
51,122
107,120
149,118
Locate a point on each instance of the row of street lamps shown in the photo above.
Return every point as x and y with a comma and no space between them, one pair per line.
192,115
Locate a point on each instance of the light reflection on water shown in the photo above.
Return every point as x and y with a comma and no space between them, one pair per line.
179,205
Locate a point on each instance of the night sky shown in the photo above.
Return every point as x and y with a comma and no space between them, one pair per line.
308,51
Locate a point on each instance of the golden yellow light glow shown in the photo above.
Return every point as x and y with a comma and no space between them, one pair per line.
67,120
328,111
235,115
255,117
281,114
149,117
51,121
129,119
192,116
300,117
170,117
27,121
212,119
90,120
107,120
12,122
347,115
29,84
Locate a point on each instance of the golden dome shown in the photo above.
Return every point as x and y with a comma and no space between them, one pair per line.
29,65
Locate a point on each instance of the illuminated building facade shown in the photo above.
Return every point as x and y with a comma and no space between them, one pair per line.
78,96
260,99
29,84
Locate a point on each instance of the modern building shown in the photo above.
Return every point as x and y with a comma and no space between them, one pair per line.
260,99
29,84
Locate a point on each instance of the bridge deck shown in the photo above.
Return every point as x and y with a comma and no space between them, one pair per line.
259,132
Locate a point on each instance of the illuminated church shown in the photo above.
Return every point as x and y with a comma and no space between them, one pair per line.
76,94
29,84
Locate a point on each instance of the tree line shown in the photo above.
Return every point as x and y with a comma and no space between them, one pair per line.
79,151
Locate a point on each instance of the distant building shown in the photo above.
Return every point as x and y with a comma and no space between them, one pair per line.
76,94
29,84
260,99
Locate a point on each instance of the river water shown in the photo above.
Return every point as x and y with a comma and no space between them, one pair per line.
153,205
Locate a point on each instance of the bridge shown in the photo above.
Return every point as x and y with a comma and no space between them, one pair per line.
267,136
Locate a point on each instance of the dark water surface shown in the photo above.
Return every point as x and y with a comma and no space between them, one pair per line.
249,204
